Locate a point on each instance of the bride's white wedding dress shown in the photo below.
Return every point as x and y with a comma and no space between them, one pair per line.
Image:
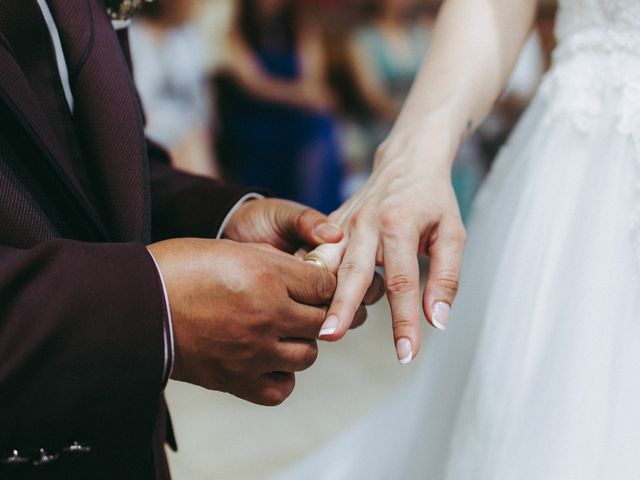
538,375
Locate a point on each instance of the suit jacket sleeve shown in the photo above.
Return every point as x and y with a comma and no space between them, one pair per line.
81,345
184,205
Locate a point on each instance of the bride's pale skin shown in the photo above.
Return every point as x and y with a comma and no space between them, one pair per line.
408,205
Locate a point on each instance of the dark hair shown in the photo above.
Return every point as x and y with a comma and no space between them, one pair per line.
256,32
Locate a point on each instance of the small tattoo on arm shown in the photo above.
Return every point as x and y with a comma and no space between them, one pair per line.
467,131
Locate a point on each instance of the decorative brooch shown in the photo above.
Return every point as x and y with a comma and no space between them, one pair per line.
123,10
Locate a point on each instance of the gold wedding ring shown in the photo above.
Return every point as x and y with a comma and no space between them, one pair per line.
315,259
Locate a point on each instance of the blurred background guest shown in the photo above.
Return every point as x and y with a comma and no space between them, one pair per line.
170,69
386,54
276,127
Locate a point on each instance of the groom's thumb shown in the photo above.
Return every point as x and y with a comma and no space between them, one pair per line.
305,225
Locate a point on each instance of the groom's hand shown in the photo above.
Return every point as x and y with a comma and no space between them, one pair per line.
244,318
282,224
288,226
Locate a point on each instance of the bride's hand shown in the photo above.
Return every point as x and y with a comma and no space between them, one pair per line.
406,207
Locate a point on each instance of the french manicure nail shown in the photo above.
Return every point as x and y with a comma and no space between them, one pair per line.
326,230
329,326
404,351
440,316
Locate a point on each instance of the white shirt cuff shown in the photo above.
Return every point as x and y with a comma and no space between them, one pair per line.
120,24
232,212
169,345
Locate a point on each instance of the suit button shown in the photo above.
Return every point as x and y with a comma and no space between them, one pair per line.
77,447
14,458
45,458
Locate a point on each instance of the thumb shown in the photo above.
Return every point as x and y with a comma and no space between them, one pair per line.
304,225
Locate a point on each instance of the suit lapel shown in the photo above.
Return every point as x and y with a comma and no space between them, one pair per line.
107,113
16,93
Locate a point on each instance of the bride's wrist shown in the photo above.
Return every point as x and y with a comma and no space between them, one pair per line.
431,141
419,149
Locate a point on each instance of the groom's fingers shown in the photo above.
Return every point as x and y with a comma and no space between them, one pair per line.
354,277
359,318
303,225
271,389
403,290
444,272
376,290
307,283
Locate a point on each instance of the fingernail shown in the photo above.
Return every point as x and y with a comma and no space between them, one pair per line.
326,230
440,316
329,326
403,349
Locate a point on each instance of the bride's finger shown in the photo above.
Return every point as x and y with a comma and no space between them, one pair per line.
403,290
354,277
328,255
444,273
376,290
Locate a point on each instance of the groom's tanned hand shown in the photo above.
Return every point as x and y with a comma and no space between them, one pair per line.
244,318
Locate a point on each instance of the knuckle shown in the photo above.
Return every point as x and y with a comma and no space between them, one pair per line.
448,281
327,286
400,285
401,325
455,229
309,356
320,287
362,217
272,397
357,219
350,267
381,151
264,276
459,236
275,395
256,331
306,215
390,221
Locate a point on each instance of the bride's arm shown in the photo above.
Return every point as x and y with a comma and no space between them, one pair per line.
408,205
474,49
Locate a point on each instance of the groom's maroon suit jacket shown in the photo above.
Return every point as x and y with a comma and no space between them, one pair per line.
81,306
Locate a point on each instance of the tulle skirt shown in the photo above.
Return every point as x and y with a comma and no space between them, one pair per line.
538,374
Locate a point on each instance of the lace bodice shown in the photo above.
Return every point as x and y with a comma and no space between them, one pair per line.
577,16
596,64
596,74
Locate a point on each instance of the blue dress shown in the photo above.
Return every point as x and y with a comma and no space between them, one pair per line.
290,151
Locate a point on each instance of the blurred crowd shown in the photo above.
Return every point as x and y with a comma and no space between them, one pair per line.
295,96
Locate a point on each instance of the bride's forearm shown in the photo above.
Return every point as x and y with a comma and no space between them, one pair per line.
474,48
